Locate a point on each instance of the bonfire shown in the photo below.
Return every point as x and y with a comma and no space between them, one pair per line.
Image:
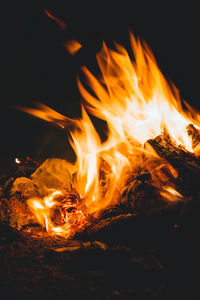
149,160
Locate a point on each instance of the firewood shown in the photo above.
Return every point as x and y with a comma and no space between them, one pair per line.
177,156
195,135
165,166
184,162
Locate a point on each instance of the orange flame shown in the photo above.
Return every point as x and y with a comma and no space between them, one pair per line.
137,104
69,221
61,24
72,46
46,113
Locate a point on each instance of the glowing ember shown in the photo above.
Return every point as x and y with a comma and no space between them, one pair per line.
137,104
58,213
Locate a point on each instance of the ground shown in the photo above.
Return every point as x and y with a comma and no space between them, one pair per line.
146,257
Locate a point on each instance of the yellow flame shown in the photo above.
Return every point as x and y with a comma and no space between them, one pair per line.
171,194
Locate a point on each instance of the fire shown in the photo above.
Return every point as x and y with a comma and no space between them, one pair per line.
61,23
72,46
58,216
137,104
171,194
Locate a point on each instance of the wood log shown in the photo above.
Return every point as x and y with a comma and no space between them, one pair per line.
184,162
195,135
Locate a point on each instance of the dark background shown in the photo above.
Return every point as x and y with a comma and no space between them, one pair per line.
36,67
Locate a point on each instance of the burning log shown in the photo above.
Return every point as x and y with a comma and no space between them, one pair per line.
184,162
147,191
165,171
195,134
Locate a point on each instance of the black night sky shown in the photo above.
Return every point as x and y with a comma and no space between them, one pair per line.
36,67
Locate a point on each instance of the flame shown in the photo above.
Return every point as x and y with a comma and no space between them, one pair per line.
70,221
171,194
135,99
137,104
46,113
72,46
61,24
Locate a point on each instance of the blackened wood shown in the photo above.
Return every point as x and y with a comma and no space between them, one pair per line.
195,135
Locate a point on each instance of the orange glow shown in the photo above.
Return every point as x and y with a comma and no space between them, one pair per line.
171,194
69,221
72,46
61,24
137,104
17,161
